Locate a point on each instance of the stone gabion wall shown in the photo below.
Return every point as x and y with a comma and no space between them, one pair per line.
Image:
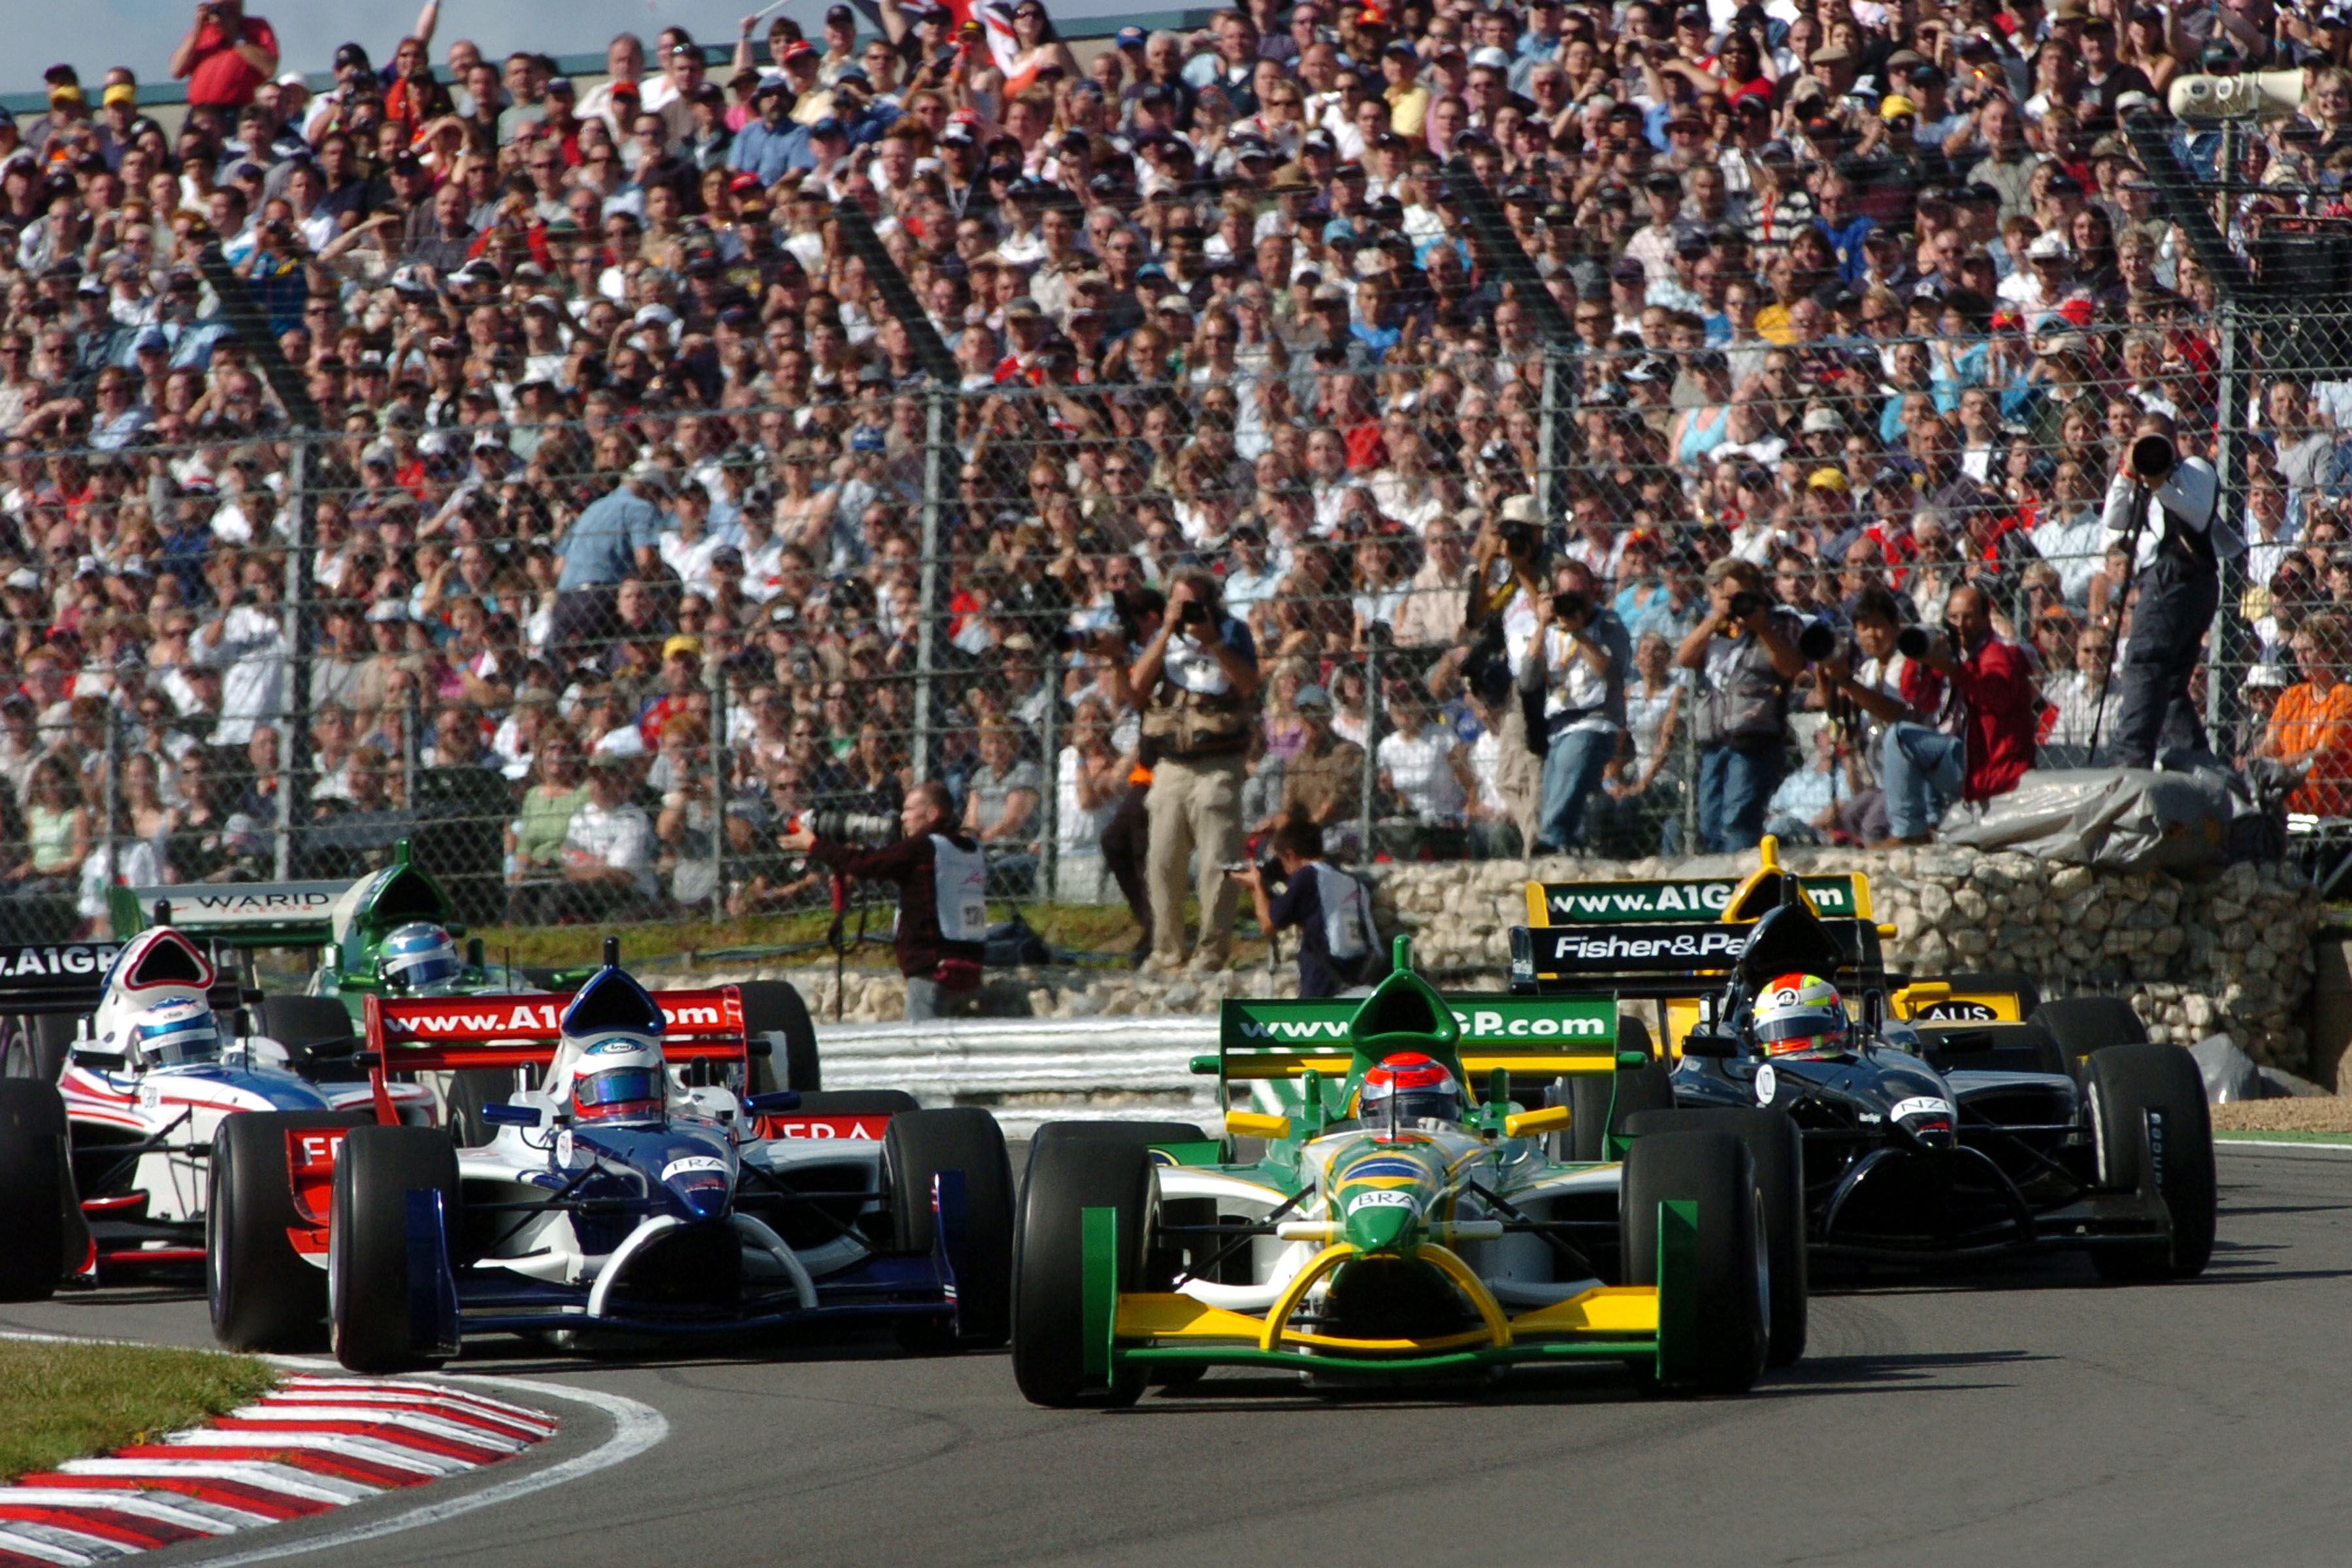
2229,955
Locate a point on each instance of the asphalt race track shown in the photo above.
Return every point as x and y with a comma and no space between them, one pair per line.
2030,1415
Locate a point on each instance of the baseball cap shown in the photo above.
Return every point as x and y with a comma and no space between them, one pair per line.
1312,697
350,54
1492,58
388,610
682,643
1128,37
121,92
1895,105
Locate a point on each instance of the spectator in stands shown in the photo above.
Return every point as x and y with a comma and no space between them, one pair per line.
608,848
1574,671
1001,809
536,836
2311,726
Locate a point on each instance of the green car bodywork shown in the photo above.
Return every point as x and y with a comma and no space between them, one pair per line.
344,923
1378,1249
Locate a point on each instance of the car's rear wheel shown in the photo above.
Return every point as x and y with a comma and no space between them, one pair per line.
1778,1149
368,1285
774,1007
262,1294
918,1145
2154,1134
38,1187
1602,1104
1730,1328
315,1030
1068,1177
2081,1024
470,1089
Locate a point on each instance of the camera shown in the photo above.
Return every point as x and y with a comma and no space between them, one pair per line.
1194,613
1518,539
1912,642
1269,872
1570,607
1745,604
846,826
1818,641
2152,458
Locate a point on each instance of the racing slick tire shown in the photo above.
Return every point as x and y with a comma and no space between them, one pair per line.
1778,1149
368,1311
39,1046
470,1089
1603,1103
2081,1024
1731,1328
775,1007
1067,1176
262,1294
2126,1084
1137,1133
919,1144
36,1232
307,1024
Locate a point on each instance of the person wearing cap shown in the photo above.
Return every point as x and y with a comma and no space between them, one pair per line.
2181,536
773,144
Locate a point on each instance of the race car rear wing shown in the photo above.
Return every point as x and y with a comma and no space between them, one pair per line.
1664,960
444,1033
43,978
1675,899
1543,1036
232,914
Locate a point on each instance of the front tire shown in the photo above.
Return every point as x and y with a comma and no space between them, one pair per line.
1778,1149
917,1145
262,1294
1733,1288
38,1183
1067,1176
367,1260
2131,1087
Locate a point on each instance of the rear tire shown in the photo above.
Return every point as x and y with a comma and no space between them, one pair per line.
917,1145
1778,1149
2081,1024
2126,1084
318,1024
774,1006
1069,1174
34,1174
262,1294
470,1089
367,1261
1715,1170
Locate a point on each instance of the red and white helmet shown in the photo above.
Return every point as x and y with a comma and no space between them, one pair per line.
1419,1086
1799,1013
618,1077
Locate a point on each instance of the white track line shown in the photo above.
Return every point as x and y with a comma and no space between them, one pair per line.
2282,1146
636,1427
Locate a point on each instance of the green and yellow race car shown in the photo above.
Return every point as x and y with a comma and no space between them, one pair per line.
1369,1220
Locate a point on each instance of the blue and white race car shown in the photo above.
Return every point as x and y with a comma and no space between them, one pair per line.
628,1189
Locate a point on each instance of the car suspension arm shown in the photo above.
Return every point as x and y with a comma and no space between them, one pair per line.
1241,1239
1544,1228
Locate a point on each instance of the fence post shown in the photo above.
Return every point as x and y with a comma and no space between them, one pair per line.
2226,641
719,759
1371,742
114,788
1546,486
935,415
1050,797
294,707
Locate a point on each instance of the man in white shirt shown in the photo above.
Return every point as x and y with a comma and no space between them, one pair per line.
245,646
608,849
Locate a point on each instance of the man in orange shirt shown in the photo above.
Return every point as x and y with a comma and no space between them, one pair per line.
2312,725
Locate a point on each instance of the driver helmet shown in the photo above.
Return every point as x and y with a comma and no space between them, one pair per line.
1419,1087
1799,1013
175,1033
418,959
617,1077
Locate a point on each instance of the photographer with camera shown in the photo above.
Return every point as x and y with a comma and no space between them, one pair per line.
2178,539
225,56
1338,945
943,880
1872,685
1744,654
1984,741
1573,675
1198,678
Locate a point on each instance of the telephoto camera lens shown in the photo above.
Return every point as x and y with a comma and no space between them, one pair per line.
1745,604
1911,642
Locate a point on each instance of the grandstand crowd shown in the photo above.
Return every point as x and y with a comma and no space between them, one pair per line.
617,442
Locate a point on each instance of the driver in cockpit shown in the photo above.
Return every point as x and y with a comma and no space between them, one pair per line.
1799,1015
1417,1089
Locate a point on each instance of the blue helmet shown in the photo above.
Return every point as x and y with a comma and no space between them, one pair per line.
171,1034
418,959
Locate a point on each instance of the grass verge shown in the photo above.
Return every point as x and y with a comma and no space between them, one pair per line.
60,1402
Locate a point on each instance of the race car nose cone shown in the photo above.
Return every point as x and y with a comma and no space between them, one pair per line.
1383,1221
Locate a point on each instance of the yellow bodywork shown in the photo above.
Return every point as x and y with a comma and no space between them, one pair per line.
1170,1318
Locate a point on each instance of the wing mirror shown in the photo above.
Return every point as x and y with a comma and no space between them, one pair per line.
1534,1123
1710,1044
506,1114
774,1102
1252,1124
